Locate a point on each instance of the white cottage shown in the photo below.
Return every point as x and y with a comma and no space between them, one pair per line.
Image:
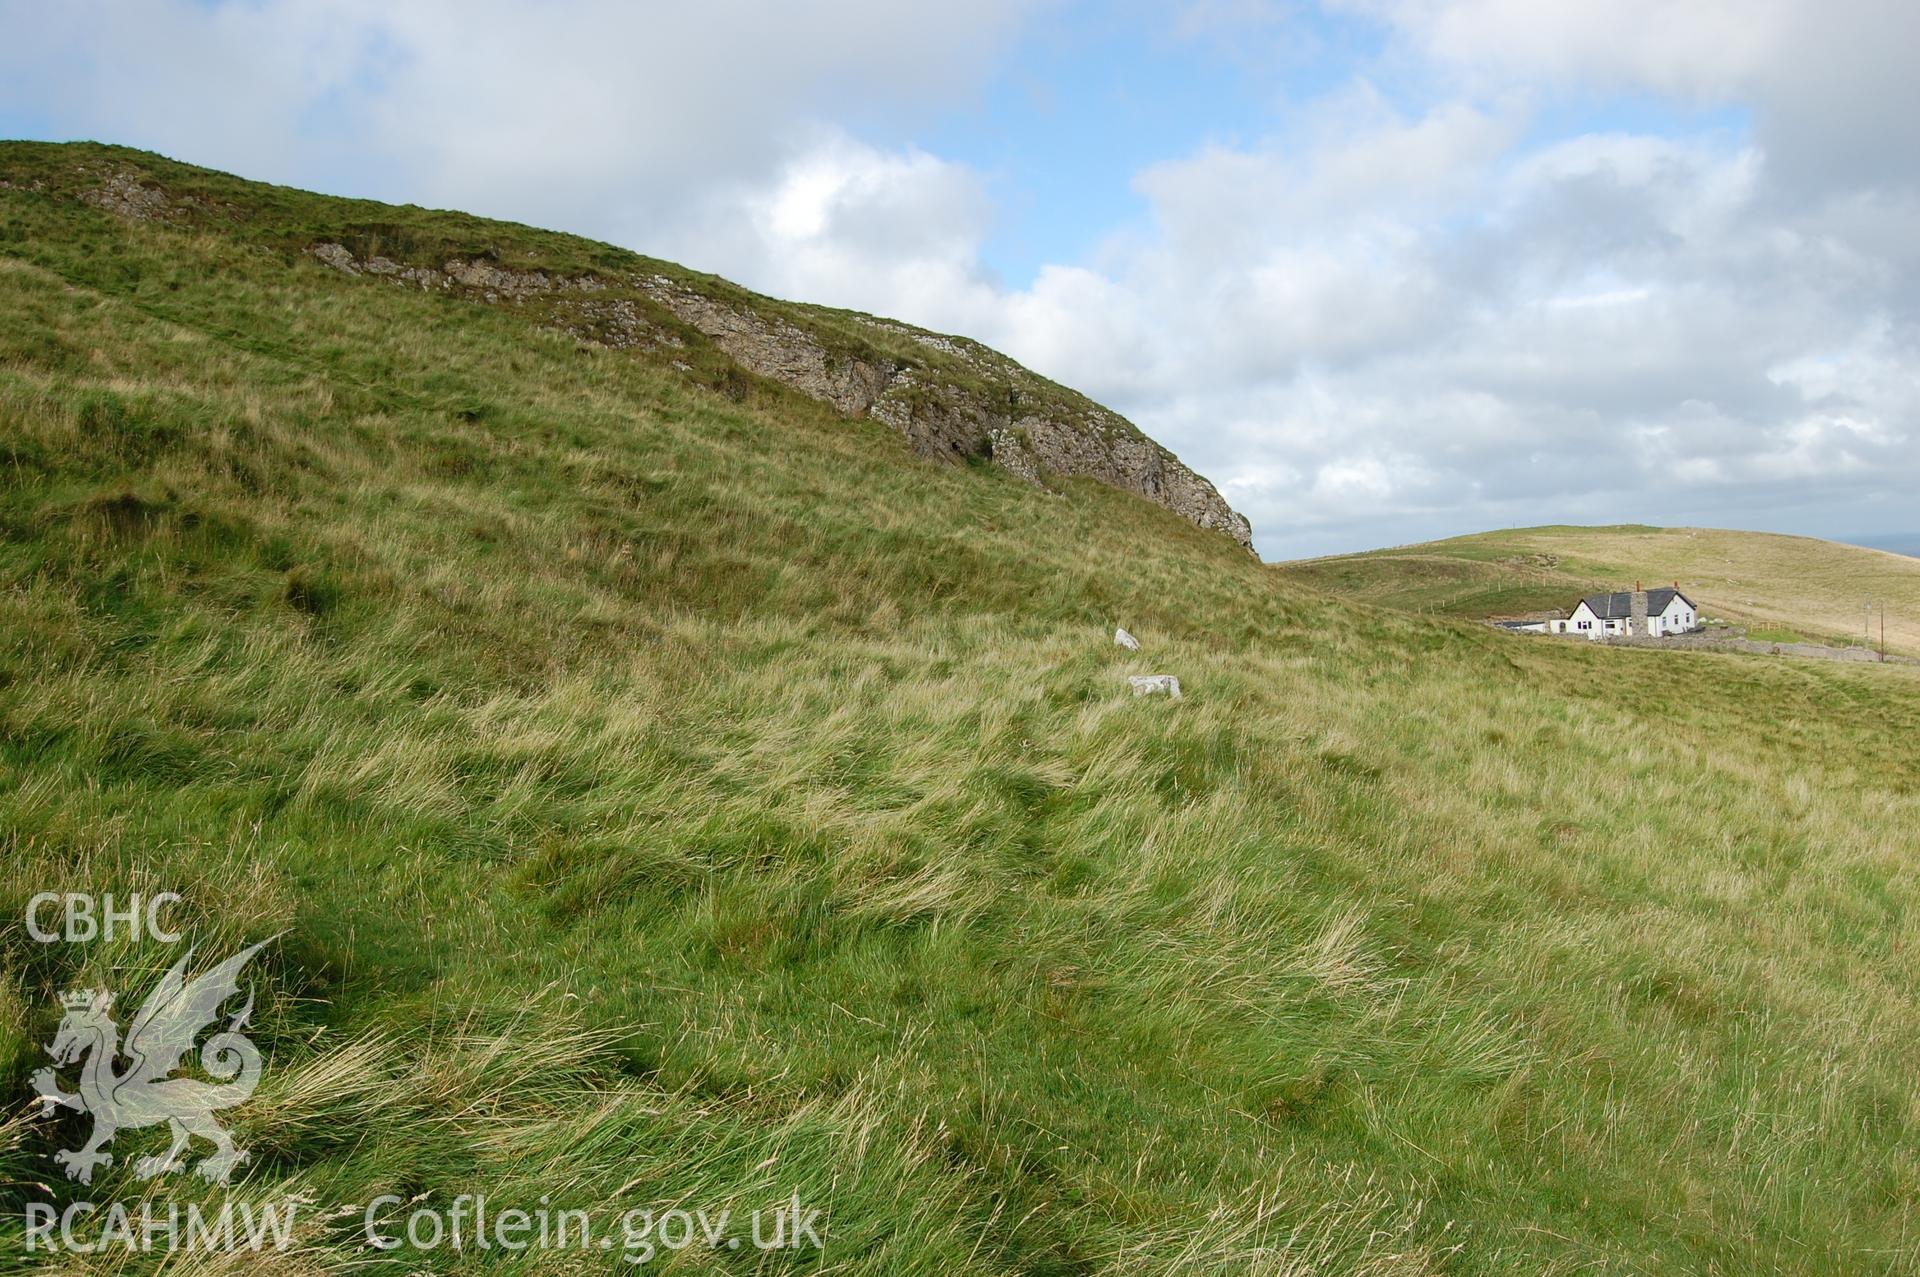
1654,613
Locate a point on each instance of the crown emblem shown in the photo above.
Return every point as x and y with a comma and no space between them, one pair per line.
83,999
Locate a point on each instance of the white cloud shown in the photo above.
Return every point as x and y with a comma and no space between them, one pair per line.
600,115
1829,82
1704,48
851,223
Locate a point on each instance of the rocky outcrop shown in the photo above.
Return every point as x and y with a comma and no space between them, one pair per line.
1102,445
942,421
953,399
1033,428
490,282
995,408
123,193
127,192
774,349
588,314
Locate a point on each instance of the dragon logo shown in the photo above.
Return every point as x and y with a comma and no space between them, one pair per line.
144,1093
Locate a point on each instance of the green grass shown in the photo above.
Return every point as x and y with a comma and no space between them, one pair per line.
1777,634
669,797
1799,585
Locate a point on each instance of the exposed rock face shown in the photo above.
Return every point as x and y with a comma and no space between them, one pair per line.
774,350
1106,447
962,401
1061,434
616,322
492,283
944,422
124,193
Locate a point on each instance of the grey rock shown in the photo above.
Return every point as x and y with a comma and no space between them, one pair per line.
336,256
491,282
775,350
1155,685
124,193
1126,640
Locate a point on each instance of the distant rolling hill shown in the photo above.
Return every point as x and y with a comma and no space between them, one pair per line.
1817,589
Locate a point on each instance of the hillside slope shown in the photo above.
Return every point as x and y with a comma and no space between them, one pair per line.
953,399
666,790
1762,579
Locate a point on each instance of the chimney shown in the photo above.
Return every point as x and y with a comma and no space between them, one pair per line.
1637,611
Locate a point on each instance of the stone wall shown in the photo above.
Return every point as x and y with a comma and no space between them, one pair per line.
1717,643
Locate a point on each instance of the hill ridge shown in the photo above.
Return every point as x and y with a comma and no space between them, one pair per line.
954,399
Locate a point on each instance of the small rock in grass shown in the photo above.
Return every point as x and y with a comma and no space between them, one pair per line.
1126,640
1154,684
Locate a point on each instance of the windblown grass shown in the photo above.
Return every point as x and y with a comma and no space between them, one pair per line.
675,800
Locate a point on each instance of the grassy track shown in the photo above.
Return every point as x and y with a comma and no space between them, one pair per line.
676,797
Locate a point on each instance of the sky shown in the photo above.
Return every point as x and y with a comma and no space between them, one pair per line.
1384,270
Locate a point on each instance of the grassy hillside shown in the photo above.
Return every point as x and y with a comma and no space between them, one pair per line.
1777,583
667,793
957,400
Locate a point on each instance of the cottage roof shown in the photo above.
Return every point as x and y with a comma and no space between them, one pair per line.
1618,606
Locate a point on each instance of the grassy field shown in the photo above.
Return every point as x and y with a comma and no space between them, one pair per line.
668,796
1781,584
